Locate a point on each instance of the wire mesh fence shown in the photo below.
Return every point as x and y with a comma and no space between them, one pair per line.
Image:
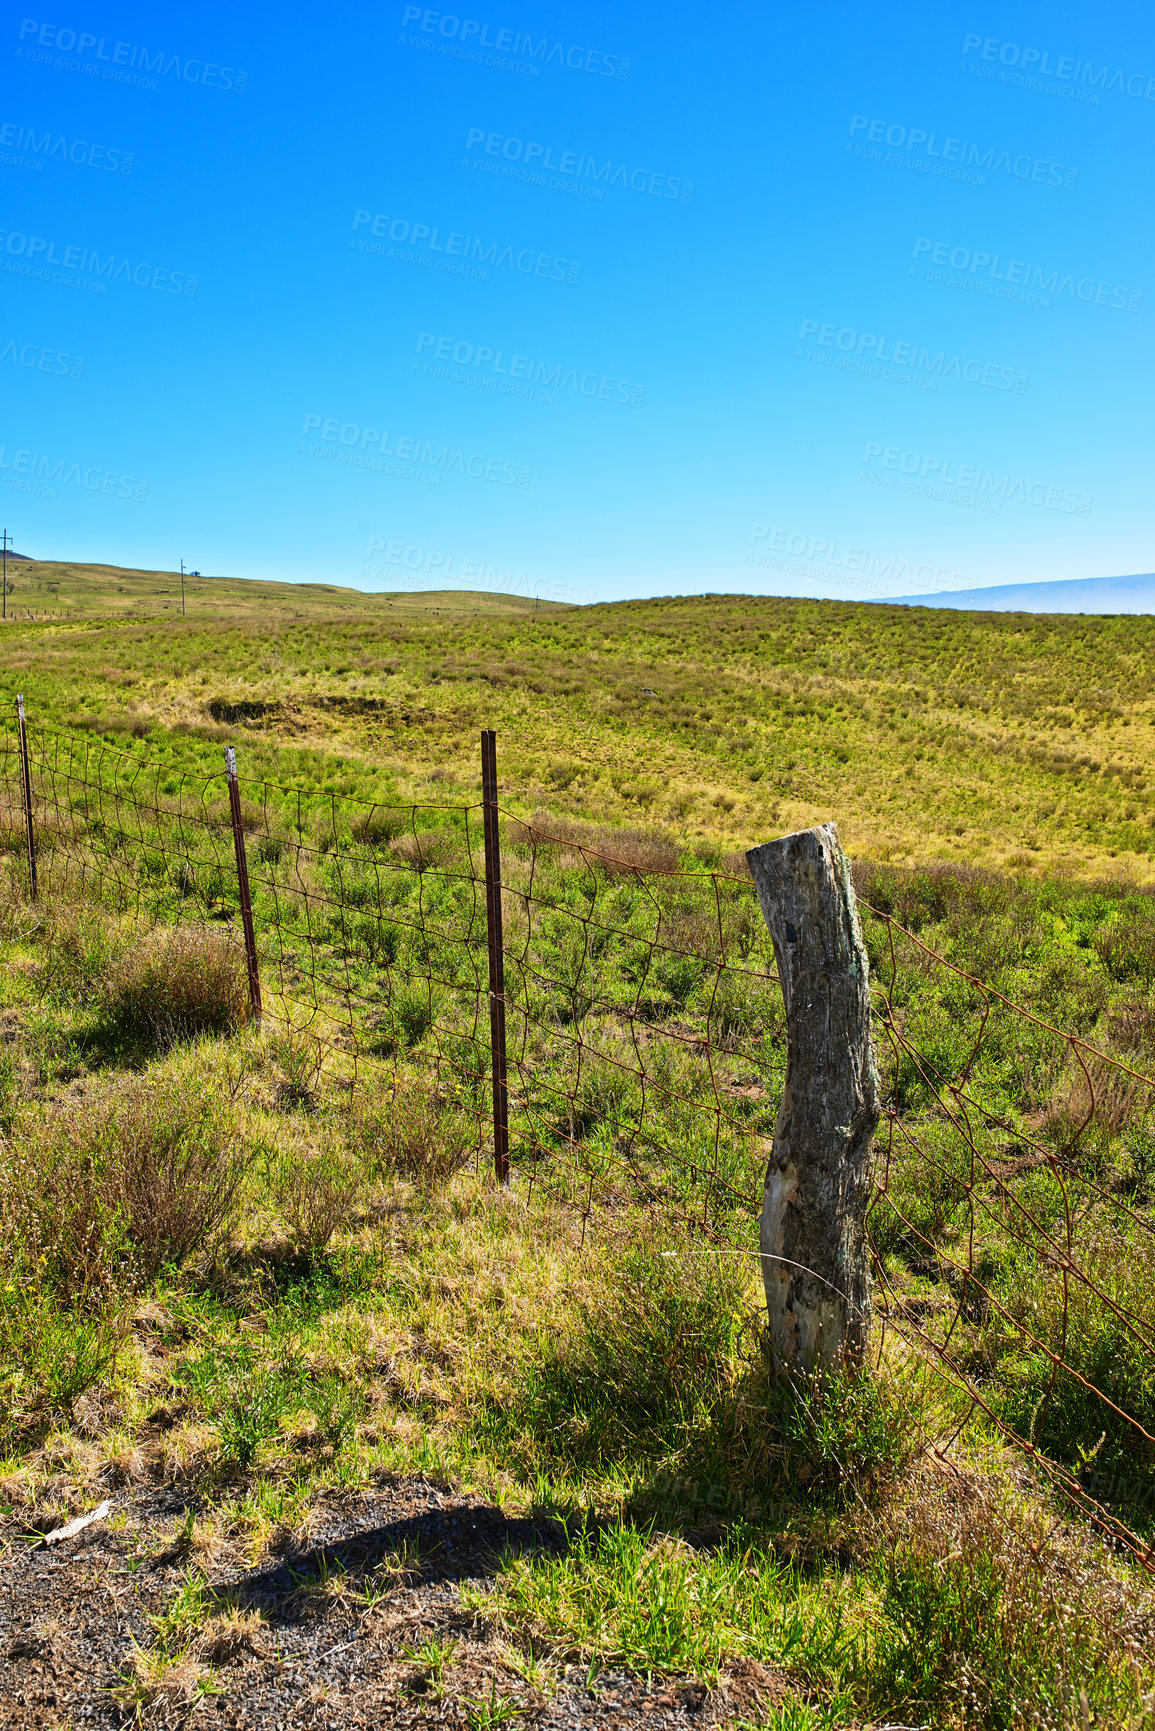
1011,1224
1011,1221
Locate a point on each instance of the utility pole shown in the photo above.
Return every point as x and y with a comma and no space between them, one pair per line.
5,543
182,588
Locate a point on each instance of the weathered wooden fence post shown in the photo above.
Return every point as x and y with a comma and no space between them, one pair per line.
243,884
814,1258
496,956
26,790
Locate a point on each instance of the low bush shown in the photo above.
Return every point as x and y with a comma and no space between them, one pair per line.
845,1434
52,1349
177,983
617,852
315,1183
375,828
80,947
296,1060
66,1278
1103,1344
984,1620
430,850
133,1175
95,1199
412,1132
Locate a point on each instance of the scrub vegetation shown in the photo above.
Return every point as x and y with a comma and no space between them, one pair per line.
226,1273
1015,741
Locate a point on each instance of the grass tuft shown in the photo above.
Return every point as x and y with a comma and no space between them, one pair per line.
177,983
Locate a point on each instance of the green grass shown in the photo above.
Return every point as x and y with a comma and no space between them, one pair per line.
334,1287
1007,740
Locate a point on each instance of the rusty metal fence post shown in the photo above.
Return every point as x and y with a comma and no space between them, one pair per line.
496,956
26,789
243,884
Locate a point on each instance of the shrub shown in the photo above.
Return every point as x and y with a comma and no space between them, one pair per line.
179,982
412,1132
378,826
1058,1411
844,1433
315,1184
138,1173
174,1172
253,1403
65,1283
81,947
52,1350
606,1089
297,1061
414,1008
431,850
94,1200
617,852
983,1621
13,834
337,1405
1126,946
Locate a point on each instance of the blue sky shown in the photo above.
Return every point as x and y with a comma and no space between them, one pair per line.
589,302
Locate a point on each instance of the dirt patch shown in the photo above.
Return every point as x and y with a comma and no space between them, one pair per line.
340,1626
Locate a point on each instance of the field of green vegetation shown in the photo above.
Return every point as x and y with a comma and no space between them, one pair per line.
1010,741
230,1272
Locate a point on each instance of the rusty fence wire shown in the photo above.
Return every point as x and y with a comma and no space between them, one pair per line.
1011,1223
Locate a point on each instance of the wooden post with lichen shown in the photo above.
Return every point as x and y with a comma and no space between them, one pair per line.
813,1237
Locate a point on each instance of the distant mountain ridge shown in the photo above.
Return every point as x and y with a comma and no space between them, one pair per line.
1134,594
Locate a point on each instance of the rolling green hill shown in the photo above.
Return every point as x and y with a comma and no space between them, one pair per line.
1021,742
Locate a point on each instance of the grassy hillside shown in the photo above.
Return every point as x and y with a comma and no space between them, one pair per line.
389,1444
1010,741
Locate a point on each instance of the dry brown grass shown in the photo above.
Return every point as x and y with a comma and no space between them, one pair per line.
616,852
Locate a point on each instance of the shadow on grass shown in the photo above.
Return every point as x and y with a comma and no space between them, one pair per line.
441,1544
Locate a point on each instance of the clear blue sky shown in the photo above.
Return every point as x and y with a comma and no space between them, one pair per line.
601,301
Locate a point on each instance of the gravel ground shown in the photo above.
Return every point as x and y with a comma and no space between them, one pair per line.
71,1617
